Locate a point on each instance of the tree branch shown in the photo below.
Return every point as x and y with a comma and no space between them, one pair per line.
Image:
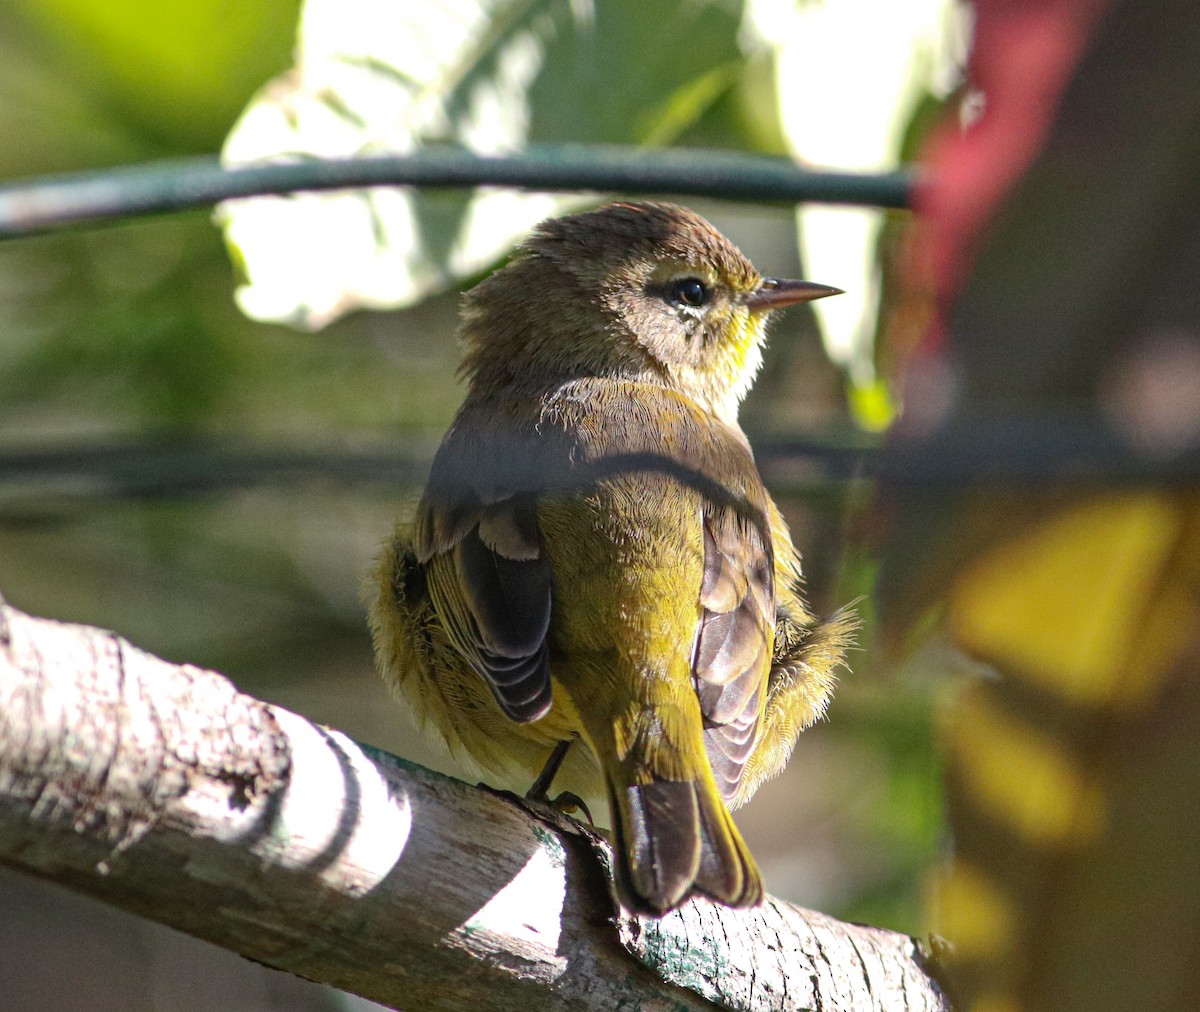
165,791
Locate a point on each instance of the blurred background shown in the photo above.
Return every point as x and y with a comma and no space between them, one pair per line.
146,422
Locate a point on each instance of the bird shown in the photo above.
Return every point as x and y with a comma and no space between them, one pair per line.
596,589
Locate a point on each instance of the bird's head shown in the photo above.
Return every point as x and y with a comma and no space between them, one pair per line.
635,290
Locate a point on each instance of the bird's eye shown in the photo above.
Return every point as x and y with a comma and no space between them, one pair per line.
687,292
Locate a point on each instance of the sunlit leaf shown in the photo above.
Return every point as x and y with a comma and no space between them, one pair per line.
851,74
490,75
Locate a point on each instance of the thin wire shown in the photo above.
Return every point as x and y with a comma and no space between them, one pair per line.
999,451
51,203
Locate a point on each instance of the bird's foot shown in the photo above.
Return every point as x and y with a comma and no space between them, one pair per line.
568,802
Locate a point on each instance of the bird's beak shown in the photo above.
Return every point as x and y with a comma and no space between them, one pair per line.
775,293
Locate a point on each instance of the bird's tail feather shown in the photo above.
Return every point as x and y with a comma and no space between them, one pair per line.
674,838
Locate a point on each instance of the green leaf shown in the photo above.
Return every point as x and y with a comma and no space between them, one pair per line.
491,75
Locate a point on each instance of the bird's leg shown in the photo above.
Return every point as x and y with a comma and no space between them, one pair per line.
540,791
567,801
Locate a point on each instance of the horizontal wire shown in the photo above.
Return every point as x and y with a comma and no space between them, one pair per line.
56,202
1008,451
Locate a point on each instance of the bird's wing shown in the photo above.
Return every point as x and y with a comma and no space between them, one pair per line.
477,535
734,637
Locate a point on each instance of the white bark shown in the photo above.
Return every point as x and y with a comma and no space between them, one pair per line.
165,791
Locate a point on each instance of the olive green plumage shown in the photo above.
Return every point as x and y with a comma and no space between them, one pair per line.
595,555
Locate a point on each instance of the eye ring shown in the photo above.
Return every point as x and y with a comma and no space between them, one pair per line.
689,292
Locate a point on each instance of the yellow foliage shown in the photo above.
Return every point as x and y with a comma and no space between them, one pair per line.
976,914
1022,777
1065,604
